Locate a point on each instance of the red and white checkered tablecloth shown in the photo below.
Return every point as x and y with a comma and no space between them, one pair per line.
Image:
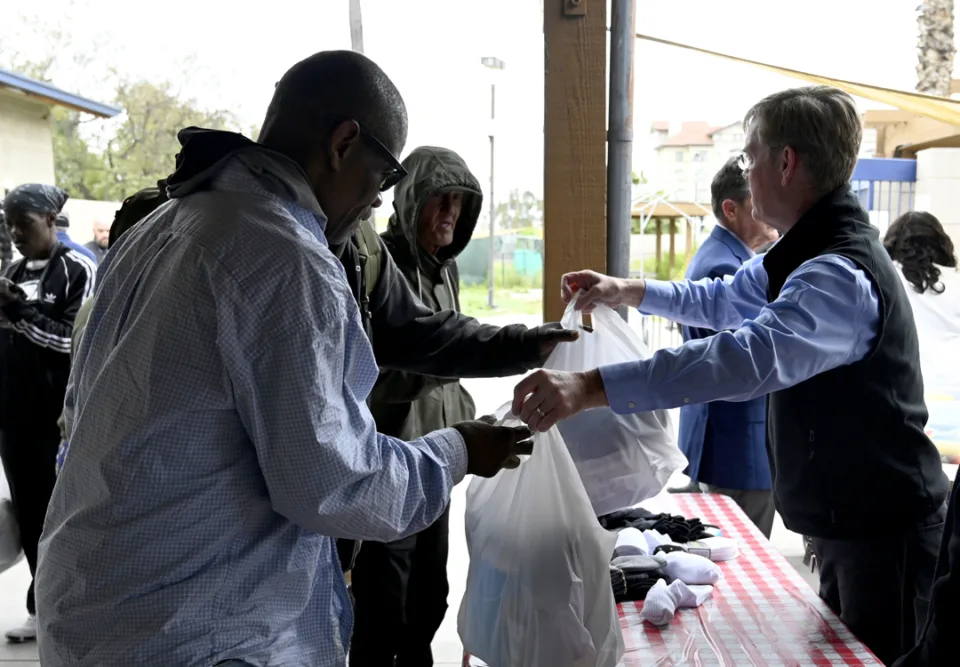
761,614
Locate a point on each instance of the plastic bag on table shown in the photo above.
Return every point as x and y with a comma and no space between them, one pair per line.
622,459
538,589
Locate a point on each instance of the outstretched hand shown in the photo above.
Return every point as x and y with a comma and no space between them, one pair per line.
491,448
593,289
551,335
544,398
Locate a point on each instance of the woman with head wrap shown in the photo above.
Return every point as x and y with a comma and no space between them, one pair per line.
40,295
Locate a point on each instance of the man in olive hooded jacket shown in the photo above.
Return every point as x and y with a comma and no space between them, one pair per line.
400,588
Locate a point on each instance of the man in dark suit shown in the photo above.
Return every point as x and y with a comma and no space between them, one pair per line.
725,443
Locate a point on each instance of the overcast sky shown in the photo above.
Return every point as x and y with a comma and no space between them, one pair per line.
231,54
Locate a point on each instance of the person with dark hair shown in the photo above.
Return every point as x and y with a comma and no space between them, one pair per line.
923,251
219,435
925,256
40,295
726,442
63,224
821,325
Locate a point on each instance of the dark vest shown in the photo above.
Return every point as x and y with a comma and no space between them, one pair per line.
848,451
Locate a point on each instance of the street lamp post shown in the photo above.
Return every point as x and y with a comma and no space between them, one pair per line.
492,64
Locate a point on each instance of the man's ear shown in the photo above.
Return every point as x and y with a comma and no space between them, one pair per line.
729,208
343,140
788,165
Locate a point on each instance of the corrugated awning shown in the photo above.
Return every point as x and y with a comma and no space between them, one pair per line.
939,108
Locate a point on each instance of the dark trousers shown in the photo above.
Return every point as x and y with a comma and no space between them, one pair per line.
29,462
400,596
758,505
880,587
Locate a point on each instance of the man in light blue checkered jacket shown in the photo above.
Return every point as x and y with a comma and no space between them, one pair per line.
220,439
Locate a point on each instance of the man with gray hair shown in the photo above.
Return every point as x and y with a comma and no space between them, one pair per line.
822,324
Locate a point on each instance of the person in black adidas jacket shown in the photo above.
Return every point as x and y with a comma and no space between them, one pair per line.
40,295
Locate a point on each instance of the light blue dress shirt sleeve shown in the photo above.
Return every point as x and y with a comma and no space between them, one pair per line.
827,315
720,303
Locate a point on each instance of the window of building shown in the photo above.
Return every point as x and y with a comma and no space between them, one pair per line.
700,156
679,156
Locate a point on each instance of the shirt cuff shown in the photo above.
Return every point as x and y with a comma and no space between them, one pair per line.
457,458
658,298
627,387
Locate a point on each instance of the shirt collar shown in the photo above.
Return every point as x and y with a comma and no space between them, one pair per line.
750,253
283,175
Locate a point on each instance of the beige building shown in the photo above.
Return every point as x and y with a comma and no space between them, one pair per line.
689,154
26,134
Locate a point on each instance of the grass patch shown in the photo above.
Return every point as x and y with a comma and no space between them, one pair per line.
508,301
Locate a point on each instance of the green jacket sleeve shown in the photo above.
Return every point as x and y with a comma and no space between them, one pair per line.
79,324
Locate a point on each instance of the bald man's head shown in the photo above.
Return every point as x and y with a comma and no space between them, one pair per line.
339,116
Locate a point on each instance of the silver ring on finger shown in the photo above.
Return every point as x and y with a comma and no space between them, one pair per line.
540,412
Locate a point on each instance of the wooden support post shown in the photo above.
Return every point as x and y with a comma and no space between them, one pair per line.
688,252
659,245
575,123
673,243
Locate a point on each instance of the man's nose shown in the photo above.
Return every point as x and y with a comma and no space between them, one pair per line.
378,202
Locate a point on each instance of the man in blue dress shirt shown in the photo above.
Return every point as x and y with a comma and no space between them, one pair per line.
220,438
822,325
725,442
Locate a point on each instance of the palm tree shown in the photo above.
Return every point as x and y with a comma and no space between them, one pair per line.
935,47
356,26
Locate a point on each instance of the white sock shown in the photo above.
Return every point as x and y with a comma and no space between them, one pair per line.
655,539
630,542
659,605
687,597
662,601
692,569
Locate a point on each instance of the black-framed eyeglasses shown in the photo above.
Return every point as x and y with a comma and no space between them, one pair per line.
396,173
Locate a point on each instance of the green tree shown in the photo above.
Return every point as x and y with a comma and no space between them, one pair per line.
113,159
79,169
143,147
520,211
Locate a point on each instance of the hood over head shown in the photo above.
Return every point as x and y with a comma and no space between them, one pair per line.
430,170
206,152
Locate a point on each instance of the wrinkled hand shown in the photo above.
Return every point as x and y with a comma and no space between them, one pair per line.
551,335
9,292
546,397
491,448
597,289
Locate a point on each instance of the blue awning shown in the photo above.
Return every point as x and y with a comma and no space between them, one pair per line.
54,95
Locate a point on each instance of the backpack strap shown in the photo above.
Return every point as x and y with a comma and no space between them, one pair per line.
369,249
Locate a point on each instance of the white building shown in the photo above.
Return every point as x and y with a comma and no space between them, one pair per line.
26,132
689,153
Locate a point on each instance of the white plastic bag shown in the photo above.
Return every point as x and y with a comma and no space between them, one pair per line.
10,548
11,551
622,459
538,588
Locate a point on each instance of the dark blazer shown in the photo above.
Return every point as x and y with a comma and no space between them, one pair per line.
725,443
